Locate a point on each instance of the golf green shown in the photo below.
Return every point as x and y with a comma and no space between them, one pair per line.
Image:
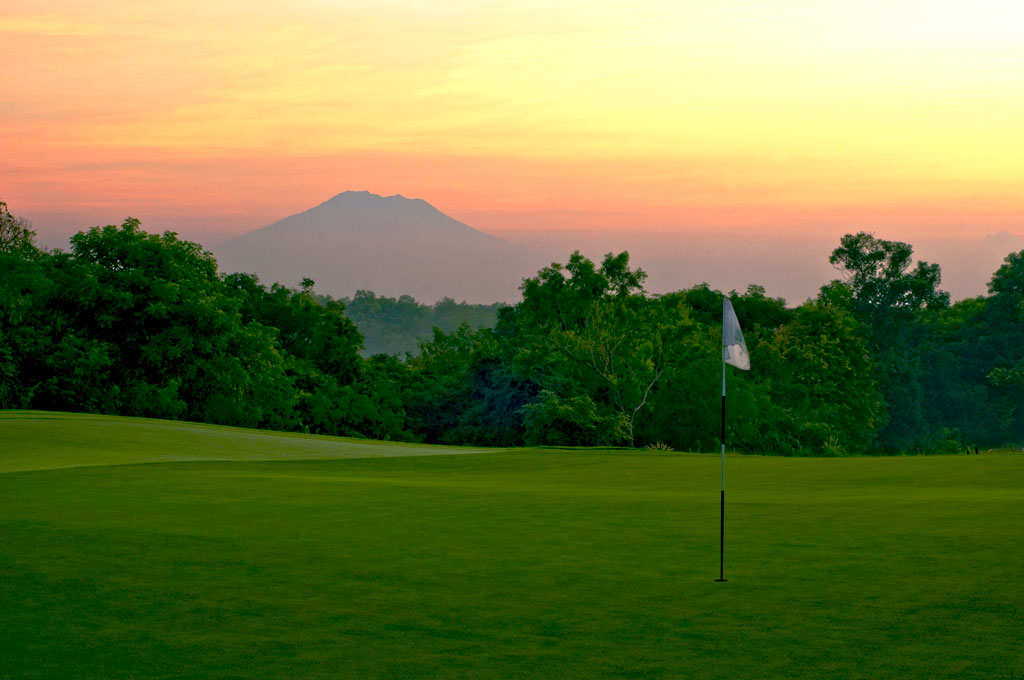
284,556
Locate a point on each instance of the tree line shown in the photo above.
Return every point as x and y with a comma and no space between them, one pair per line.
132,323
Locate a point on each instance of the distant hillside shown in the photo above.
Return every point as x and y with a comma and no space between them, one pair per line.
391,245
398,325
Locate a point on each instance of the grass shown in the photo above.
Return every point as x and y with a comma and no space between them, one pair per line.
504,564
38,440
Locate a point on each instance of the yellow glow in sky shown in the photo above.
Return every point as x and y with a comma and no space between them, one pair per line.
783,114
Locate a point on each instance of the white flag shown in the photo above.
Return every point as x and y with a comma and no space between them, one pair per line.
734,348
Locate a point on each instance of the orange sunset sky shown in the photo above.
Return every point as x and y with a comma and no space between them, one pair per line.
789,117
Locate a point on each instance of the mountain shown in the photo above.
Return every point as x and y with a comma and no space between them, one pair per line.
391,245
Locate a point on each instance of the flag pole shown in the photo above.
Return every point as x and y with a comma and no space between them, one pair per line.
734,351
721,532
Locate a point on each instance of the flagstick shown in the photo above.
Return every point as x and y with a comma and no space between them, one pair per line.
721,533
734,351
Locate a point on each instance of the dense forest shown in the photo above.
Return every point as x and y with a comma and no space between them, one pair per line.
140,324
398,325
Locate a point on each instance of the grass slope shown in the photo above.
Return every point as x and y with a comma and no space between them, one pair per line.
522,564
37,440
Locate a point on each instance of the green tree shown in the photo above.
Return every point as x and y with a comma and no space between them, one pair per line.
595,334
576,420
685,406
382,388
822,383
321,348
885,290
47,359
179,347
1005,316
16,234
888,297
439,394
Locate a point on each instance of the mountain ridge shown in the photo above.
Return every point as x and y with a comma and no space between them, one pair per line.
392,245
357,210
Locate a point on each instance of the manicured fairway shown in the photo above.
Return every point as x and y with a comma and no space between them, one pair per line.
36,440
505,564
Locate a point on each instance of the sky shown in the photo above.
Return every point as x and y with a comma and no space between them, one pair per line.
783,121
